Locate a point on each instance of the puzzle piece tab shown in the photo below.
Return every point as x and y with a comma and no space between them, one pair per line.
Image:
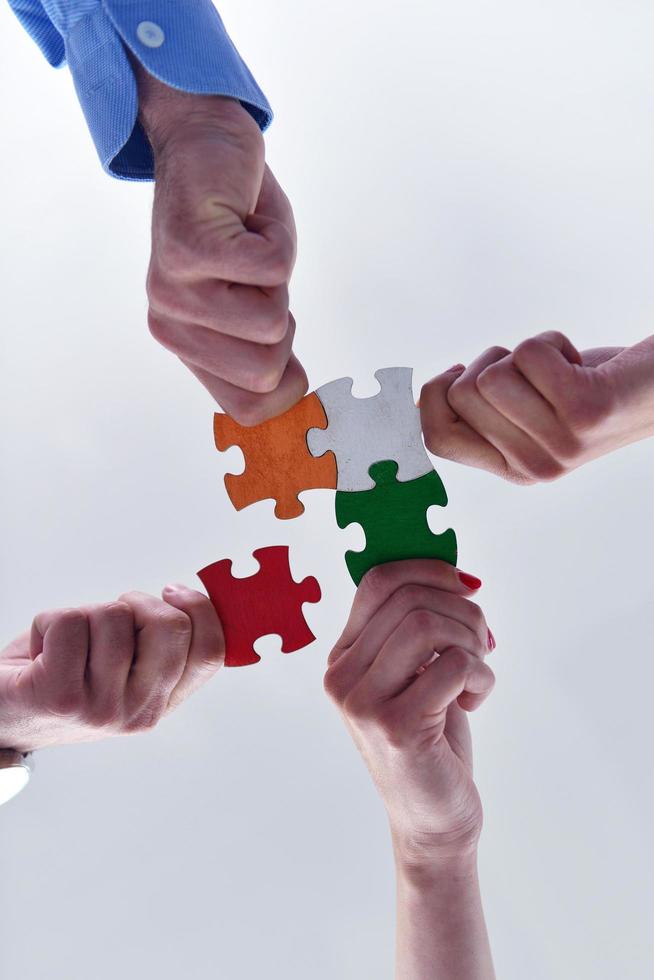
394,518
363,431
278,463
270,601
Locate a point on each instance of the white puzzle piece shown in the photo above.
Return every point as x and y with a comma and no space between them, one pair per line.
363,431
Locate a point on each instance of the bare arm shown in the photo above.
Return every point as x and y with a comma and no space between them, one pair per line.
541,410
409,665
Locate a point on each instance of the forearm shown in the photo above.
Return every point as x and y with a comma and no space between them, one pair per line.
163,110
441,932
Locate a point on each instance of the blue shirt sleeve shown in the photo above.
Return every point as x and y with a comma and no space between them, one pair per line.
183,43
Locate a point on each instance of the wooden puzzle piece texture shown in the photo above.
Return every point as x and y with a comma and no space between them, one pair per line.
270,601
394,518
278,463
363,431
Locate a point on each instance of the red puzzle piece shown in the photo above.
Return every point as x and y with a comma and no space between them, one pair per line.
270,601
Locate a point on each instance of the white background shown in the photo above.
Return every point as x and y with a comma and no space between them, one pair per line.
463,175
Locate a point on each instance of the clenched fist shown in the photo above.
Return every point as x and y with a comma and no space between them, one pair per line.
407,668
542,410
102,670
223,250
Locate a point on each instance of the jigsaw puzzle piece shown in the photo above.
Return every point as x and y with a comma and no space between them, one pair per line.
393,516
270,601
363,431
278,463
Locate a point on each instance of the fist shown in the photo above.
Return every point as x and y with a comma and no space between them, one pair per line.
540,411
223,250
103,670
409,665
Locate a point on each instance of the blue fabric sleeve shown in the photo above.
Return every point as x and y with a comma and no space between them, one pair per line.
181,42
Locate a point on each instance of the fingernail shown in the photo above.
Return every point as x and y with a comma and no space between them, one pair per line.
456,367
491,641
470,581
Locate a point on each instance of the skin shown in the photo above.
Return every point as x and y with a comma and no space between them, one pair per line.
541,410
405,672
107,669
223,250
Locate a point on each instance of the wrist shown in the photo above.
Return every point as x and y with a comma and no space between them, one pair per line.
423,862
164,111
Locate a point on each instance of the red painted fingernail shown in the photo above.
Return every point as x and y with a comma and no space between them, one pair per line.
456,367
470,581
491,641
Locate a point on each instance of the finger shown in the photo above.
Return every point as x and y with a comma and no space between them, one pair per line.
163,638
255,367
454,676
410,599
111,652
59,644
250,313
504,387
447,434
257,252
248,408
382,581
412,645
274,203
548,362
207,648
521,453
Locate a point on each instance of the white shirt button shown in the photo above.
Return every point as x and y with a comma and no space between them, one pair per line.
150,34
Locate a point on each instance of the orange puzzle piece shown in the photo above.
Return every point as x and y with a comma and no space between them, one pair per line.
278,463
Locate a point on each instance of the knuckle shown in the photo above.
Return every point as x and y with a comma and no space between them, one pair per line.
497,352
491,380
174,623
478,617
268,377
117,616
544,469
421,621
377,579
104,715
409,595
463,389
159,330
527,351
145,719
162,295
274,326
459,660
279,262
332,683
70,620
357,707
567,449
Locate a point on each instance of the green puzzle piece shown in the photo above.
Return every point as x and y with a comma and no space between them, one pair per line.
394,518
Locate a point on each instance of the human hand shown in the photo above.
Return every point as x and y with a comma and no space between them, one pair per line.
102,670
223,250
542,410
406,709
